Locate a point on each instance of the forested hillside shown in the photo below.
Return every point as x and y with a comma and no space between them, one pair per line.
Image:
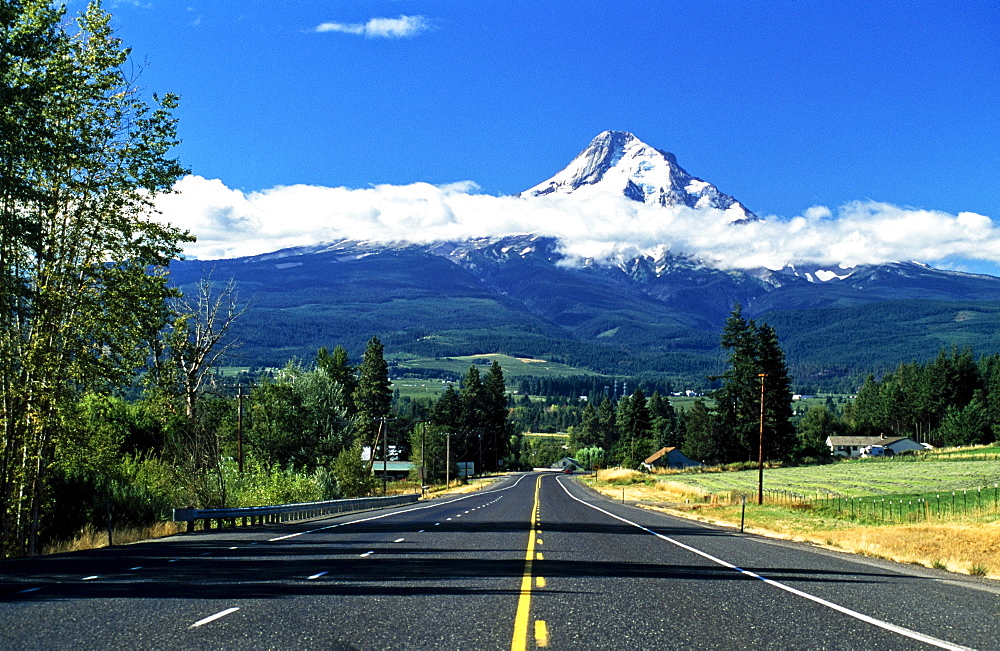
490,296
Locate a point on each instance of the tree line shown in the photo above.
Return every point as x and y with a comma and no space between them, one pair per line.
952,400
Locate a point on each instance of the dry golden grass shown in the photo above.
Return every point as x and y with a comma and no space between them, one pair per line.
954,545
958,547
91,538
618,474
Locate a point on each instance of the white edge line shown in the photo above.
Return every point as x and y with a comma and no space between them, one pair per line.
212,618
915,635
386,515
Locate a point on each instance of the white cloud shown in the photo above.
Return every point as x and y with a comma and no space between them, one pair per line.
230,223
380,27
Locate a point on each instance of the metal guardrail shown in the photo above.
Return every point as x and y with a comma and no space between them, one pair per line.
253,515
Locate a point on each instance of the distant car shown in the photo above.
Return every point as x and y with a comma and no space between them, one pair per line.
568,470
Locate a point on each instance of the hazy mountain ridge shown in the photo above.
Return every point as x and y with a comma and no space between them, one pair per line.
658,312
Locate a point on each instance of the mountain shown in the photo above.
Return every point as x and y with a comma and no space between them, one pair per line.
658,315
618,162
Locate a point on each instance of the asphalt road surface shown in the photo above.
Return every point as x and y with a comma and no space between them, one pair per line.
532,561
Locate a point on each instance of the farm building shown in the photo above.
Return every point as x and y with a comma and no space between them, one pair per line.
850,446
567,462
669,458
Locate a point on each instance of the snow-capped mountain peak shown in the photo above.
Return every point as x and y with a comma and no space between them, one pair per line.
617,161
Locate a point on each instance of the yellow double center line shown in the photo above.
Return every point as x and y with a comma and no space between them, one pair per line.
520,639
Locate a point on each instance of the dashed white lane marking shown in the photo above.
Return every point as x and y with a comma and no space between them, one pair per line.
888,626
367,554
234,548
212,618
386,515
422,530
89,578
133,569
399,540
316,576
28,590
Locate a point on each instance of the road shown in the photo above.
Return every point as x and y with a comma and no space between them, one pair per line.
533,561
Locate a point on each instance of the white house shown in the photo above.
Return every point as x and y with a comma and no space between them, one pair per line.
850,446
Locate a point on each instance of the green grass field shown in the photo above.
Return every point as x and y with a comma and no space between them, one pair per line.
513,367
858,478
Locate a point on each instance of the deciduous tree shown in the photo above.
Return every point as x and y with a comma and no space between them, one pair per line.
82,259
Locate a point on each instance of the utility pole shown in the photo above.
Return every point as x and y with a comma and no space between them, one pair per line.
385,460
760,453
447,463
239,427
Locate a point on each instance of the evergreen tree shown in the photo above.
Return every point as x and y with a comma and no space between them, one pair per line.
635,441
816,426
447,411
338,367
665,423
753,351
498,426
779,433
699,436
965,425
738,400
607,424
373,395
588,433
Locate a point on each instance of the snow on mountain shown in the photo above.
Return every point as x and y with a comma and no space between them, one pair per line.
620,163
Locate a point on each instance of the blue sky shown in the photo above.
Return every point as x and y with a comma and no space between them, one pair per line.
784,105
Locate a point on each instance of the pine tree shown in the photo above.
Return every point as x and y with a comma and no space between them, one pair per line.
666,426
373,395
338,367
779,433
607,425
497,422
588,433
754,351
699,434
738,400
635,430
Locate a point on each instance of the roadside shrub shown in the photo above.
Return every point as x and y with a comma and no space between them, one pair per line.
260,486
137,494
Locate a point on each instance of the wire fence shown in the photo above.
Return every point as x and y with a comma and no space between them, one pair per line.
900,508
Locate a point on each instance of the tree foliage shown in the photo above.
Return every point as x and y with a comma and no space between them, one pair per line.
754,352
951,400
477,418
298,419
82,154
